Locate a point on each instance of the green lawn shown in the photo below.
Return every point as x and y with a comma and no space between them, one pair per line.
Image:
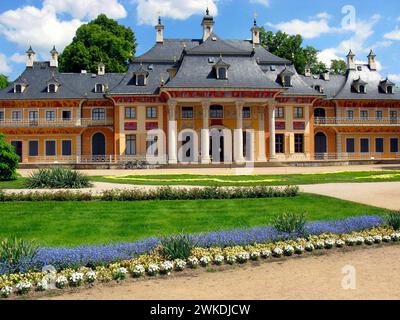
252,180
16,184
75,223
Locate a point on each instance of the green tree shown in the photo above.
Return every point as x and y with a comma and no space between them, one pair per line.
3,81
290,47
338,67
8,161
101,40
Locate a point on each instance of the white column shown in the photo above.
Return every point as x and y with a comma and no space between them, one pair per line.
338,146
272,151
238,147
172,132
261,134
78,148
205,134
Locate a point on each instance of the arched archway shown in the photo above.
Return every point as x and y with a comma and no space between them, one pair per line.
320,144
98,144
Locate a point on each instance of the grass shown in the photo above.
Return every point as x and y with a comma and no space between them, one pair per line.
254,180
76,223
15,184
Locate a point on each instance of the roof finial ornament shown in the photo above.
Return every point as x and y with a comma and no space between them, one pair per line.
207,11
255,18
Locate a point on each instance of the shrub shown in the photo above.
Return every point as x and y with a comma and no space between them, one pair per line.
290,223
8,161
57,178
393,220
177,247
15,251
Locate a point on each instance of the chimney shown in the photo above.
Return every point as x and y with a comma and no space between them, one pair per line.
54,58
307,71
101,69
372,61
351,64
208,25
160,31
255,33
30,55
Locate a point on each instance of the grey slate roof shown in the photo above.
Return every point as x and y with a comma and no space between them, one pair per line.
215,45
330,87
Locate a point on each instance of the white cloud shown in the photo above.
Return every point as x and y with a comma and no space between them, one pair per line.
262,2
88,9
327,55
394,77
393,35
4,66
313,28
149,10
18,58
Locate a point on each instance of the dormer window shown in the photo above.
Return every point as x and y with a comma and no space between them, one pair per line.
359,86
140,80
221,69
52,88
287,80
99,88
18,88
386,86
362,89
286,77
319,88
389,90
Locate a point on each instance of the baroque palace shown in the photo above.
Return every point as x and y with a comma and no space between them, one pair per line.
205,100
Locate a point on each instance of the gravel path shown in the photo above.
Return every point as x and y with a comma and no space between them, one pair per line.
317,277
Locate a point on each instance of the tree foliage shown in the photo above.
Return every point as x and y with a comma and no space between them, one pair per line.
291,47
338,67
101,40
8,161
3,81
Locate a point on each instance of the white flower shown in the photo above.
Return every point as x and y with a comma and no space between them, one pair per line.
76,279
369,241
386,238
23,287
329,243
61,282
180,265
266,253
205,260
378,239
319,245
153,269
218,260
231,259
340,243
351,241
193,262
91,276
395,236
119,273
6,291
42,285
299,249
288,250
166,267
242,257
277,252
360,240
138,271
255,255
309,247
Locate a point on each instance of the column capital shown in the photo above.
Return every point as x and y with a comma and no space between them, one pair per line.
239,103
206,103
261,109
272,103
172,103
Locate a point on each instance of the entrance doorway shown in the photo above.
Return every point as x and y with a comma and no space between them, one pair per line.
217,145
18,148
98,145
320,143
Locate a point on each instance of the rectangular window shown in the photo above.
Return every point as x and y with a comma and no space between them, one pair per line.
50,148
394,145
379,115
279,112
66,115
1,116
350,145
187,112
364,114
16,116
50,115
379,146
246,113
280,143
33,148
364,145
151,112
298,143
33,116
130,113
393,116
350,114
216,112
130,141
66,148
299,112
99,114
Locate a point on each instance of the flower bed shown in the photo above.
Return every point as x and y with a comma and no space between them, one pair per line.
100,255
153,265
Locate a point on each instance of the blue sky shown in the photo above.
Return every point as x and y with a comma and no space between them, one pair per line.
333,27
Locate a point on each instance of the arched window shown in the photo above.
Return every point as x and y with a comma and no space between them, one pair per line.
389,89
52,88
99,88
140,80
288,81
362,89
18,88
318,88
222,73
216,112
99,114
